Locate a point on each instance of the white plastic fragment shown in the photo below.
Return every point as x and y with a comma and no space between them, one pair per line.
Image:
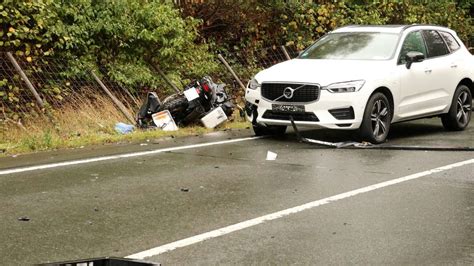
271,156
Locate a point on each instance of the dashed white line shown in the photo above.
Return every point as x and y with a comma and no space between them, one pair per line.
114,157
276,215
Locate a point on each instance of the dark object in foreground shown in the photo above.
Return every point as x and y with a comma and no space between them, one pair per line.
106,261
367,145
199,98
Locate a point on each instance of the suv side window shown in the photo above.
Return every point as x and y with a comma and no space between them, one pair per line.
450,41
413,43
435,44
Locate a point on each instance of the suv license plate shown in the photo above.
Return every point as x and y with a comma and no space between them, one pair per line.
287,108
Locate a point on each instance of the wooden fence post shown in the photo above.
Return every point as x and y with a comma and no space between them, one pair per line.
231,71
135,101
26,80
120,105
162,74
285,52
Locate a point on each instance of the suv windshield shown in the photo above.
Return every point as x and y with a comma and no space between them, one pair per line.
353,46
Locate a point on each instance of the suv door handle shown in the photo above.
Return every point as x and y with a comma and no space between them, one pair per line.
428,71
454,66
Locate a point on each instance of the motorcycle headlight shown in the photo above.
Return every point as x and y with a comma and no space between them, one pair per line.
348,86
253,84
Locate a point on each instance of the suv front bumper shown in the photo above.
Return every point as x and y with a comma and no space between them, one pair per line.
332,110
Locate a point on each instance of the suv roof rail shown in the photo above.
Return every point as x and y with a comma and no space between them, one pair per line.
416,24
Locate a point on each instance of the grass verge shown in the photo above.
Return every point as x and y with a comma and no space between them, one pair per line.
91,124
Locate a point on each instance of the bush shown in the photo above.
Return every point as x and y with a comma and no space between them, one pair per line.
121,37
127,36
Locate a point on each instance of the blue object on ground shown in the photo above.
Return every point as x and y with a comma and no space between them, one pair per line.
123,128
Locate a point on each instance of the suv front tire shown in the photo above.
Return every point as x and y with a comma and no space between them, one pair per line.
460,112
377,118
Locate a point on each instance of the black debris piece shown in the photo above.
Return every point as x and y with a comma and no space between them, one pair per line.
24,218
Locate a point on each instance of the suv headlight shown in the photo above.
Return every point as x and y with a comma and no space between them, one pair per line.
348,86
253,84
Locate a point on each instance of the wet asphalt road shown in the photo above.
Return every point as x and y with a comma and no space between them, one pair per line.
123,206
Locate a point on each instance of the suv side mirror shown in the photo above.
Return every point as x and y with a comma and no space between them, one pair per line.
413,57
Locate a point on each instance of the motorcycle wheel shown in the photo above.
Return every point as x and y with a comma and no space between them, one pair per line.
176,105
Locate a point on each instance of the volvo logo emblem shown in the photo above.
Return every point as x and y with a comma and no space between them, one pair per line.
288,92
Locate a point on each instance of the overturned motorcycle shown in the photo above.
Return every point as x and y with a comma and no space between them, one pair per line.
201,100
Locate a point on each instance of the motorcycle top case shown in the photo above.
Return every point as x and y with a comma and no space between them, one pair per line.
214,118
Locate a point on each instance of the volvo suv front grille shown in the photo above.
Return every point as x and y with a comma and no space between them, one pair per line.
306,117
290,92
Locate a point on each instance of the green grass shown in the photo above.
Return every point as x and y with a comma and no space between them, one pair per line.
52,140
89,123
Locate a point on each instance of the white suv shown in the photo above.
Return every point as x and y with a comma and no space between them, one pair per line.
365,78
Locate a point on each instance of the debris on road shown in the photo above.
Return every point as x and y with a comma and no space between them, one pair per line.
24,218
271,156
184,189
368,145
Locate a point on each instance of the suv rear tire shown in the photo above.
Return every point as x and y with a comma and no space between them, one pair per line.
460,111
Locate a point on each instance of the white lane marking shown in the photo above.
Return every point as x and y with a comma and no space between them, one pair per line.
276,215
113,157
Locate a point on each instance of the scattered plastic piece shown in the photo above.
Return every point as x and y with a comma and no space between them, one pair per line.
271,156
368,145
184,189
23,218
123,128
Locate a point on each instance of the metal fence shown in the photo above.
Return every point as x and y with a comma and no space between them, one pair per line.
29,88
58,82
